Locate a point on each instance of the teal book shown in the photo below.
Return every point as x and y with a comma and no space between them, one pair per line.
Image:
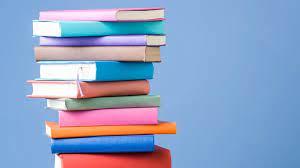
95,70
104,102
93,28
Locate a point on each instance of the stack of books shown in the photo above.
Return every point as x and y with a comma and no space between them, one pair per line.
94,69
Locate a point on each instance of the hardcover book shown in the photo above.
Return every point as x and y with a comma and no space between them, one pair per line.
54,131
104,102
95,70
122,116
102,53
160,158
74,89
125,40
92,28
104,144
121,14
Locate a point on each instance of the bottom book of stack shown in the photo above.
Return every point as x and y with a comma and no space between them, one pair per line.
160,158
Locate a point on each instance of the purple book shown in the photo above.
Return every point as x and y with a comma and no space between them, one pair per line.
126,40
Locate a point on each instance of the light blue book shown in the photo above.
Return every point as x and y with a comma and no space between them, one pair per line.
95,70
93,28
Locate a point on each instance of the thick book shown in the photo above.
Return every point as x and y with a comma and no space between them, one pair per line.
104,144
125,40
160,158
98,53
93,28
121,116
104,102
95,70
112,15
78,89
53,130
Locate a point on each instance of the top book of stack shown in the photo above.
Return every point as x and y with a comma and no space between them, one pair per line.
111,15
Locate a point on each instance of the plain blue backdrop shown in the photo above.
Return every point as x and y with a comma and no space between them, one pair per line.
229,78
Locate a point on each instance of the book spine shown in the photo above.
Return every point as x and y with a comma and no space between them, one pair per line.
125,116
113,102
118,88
54,131
104,71
110,71
126,40
93,89
81,29
104,144
91,53
160,158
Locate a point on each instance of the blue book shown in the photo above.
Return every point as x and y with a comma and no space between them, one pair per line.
104,144
95,70
93,28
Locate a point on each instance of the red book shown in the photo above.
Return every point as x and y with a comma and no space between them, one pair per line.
160,158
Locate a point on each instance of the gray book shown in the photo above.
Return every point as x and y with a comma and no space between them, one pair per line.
104,102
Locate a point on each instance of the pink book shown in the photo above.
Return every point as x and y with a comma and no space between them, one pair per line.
122,14
122,116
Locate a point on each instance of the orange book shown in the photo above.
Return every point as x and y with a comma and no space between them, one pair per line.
54,131
160,158
74,89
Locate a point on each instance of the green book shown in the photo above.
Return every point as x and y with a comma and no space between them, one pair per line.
92,28
104,102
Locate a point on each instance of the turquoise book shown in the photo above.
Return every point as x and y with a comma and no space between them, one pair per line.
93,28
95,70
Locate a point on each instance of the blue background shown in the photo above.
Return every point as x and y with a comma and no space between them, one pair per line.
229,78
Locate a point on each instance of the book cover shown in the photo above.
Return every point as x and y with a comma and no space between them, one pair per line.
104,144
102,53
95,70
120,14
125,40
104,102
74,89
121,116
160,158
93,28
54,131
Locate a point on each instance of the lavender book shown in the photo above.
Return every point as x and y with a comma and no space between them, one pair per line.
125,40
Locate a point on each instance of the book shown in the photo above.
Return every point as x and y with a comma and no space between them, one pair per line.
125,40
121,14
54,131
104,144
79,89
95,70
93,28
98,53
160,158
104,102
121,116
